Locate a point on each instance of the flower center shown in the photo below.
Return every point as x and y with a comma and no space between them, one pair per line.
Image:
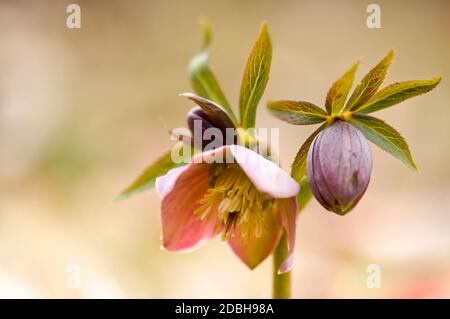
236,201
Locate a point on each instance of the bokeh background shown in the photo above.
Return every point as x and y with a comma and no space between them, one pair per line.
83,111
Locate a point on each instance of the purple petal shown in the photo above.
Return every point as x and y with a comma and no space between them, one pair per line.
214,111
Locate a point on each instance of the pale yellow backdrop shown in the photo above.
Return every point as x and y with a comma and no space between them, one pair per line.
83,111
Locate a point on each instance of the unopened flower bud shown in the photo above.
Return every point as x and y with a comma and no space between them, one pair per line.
205,130
339,164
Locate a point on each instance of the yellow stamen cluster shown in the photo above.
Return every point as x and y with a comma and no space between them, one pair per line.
236,201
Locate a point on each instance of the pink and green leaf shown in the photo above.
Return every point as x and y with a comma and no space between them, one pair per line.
370,83
148,177
256,75
297,112
384,136
202,78
397,93
337,95
298,167
304,195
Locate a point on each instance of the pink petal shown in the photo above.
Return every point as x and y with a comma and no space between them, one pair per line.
267,177
164,184
251,250
288,212
181,189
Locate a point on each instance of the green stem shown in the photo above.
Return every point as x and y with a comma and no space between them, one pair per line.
281,288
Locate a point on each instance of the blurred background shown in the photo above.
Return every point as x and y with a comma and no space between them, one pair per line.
83,111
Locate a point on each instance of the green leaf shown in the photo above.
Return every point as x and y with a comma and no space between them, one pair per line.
305,194
202,78
370,83
298,113
384,136
298,167
337,95
148,177
256,75
396,93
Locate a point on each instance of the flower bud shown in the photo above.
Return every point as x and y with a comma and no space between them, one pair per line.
205,130
338,167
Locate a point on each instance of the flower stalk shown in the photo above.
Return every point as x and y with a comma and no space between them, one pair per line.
281,283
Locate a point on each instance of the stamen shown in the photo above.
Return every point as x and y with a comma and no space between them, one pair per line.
238,204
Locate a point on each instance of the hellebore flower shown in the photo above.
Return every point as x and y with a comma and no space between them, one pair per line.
249,201
338,167
335,160
230,190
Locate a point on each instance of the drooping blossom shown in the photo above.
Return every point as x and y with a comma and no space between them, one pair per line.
248,200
